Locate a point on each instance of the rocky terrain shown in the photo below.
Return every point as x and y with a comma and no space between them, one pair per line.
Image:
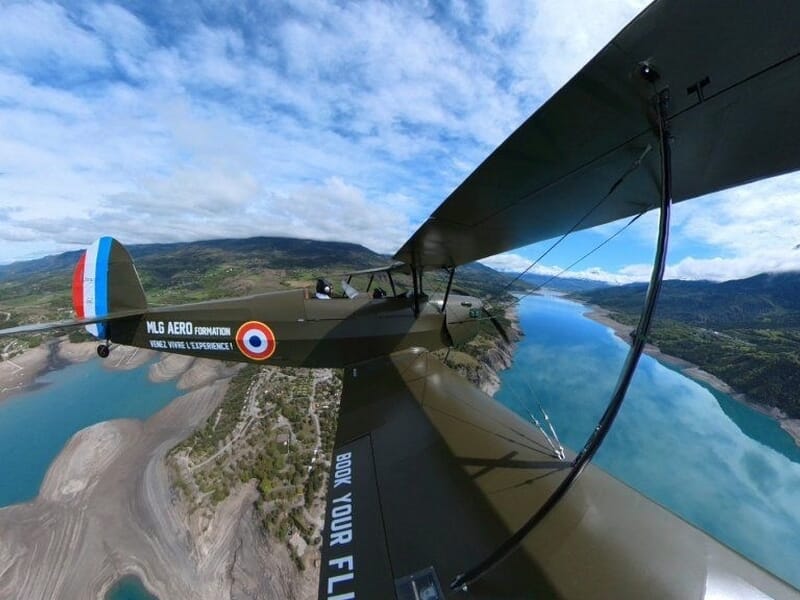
189,500
483,357
107,508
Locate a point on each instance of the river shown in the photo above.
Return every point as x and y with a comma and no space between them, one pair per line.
720,465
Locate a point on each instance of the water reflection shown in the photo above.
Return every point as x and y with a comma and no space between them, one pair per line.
722,466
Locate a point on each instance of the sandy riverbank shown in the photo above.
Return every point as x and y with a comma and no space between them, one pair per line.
600,315
20,373
105,509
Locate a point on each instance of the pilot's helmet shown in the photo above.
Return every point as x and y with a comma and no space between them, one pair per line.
323,287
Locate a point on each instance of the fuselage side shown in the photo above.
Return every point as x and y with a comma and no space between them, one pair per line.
288,329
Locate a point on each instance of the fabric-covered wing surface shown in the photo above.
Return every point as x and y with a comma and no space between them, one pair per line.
429,474
733,72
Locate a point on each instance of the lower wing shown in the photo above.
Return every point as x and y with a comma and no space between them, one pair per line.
429,475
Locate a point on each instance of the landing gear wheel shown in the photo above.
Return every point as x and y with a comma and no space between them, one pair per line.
103,350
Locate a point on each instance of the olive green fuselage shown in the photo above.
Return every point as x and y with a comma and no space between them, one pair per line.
289,329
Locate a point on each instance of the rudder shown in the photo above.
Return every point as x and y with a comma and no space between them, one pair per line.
105,282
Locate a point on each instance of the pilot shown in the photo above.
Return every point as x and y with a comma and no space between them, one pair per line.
323,290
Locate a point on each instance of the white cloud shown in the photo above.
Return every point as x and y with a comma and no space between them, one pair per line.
42,36
508,261
752,229
563,37
764,216
120,29
339,121
516,263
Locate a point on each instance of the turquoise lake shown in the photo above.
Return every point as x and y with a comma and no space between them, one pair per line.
37,424
720,465
129,588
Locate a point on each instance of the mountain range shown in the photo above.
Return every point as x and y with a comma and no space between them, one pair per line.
563,284
746,332
39,290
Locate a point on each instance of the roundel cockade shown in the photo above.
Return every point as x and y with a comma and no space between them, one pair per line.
255,340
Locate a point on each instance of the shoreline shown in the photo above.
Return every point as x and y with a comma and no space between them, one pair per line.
20,373
482,368
692,371
105,508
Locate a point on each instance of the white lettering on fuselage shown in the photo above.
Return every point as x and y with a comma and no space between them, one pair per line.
155,326
340,586
186,328
179,328
178,345
210,345
212,331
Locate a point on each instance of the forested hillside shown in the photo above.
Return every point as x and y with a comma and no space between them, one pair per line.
746,332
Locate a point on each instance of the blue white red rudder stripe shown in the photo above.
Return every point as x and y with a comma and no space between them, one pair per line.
105,282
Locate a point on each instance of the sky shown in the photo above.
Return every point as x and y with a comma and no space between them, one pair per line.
346,121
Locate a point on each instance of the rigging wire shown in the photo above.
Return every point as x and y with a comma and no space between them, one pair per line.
603,426
552,438
518,299
553,442
633,166
560,447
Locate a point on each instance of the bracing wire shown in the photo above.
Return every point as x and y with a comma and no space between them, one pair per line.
519,298
584,257
553,442
633,166
603,426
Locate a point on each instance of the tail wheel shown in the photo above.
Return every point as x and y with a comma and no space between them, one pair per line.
103,350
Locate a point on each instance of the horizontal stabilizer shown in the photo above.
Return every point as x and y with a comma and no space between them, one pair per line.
69,323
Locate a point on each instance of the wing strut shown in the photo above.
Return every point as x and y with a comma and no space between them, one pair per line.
637,346
450,271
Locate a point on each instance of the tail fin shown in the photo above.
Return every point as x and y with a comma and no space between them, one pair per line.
105,282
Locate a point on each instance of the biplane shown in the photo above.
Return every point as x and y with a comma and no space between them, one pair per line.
435,490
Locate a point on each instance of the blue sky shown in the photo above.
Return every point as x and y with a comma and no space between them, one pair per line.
351,121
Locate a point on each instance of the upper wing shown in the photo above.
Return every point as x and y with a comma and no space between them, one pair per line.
733,71
429,475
